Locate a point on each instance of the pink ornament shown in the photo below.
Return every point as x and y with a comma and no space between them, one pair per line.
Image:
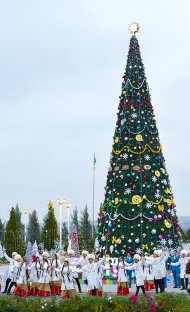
160,236
168,235
129,247
175,236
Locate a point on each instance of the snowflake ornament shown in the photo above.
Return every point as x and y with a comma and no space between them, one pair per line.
163,242
128,190
138,250
170,242
148,205
154,179
125,156
147,157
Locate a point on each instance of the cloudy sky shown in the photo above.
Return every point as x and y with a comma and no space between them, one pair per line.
61,67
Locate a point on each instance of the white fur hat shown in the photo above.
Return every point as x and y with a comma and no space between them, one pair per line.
70,252
67,260
85,252
91,256
184,252
137,257
45,254
17,257
157,253
160,252
14,253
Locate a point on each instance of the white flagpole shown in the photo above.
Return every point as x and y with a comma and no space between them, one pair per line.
93,196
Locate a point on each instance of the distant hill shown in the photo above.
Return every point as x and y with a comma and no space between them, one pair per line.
184,221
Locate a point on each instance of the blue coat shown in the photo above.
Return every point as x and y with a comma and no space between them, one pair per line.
174,260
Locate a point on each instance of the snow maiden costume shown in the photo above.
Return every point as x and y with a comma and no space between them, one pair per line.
22,281
44,280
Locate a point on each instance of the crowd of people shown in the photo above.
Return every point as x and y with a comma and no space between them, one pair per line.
59,274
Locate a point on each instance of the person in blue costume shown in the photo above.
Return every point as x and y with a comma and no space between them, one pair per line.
176,269
129,260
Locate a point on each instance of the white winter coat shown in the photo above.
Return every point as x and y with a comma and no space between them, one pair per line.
158,265
35,272
11,263
182,262
92,273
14,271
68,278
22,276
139,272
55,275
45,273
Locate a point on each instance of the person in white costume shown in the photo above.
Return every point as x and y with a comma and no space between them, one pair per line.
138,267
183,262
158,263
122,287
68,275
14,271
22,279
82,261
55,276
11,262
44,280
35,272
148,276
72,261
92,273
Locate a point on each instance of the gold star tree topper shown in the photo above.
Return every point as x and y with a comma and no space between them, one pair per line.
134,28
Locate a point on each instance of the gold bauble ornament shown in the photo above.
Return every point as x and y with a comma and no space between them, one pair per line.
116,201
139,137
116,139
167,224
136,199
157,173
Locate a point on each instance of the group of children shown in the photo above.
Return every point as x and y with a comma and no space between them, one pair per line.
58,274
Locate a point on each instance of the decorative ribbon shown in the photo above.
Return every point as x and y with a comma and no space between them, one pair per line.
138,153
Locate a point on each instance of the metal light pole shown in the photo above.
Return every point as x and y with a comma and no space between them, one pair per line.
68,206
60,203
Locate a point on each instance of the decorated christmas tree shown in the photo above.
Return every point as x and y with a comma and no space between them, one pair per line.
29,250
74,241
138,213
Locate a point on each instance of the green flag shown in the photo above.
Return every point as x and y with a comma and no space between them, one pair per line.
94,160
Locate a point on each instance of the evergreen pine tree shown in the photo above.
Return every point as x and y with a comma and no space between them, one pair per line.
33,227
18,214
138,212
65,236
76,224
1,230
85,228
49,231
74,219
12,240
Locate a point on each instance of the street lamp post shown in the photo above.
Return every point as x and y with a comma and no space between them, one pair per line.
60,203
68,206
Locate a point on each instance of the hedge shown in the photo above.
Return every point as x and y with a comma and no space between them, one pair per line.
162,302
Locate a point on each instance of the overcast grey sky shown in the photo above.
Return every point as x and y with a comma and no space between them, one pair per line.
61,67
